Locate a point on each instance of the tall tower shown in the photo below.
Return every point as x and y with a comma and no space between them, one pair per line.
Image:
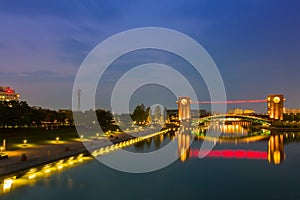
78,99
184,110
275,106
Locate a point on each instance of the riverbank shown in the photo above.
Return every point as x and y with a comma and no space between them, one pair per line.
37,155
284,129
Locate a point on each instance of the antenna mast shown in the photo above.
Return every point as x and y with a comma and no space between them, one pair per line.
78,100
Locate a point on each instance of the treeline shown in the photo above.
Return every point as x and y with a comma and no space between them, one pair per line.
291,117
15,114
141,116
87,119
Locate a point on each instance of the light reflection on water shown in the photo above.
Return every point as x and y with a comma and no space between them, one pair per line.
234,170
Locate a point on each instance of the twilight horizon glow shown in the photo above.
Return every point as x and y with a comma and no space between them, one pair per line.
254,43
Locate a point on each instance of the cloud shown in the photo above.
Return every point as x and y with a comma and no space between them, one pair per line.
62,9
36,77
73,50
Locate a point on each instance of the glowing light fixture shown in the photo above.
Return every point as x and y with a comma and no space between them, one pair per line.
276,99
7,184
32,176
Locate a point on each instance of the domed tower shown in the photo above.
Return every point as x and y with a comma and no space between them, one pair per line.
275,106
184,110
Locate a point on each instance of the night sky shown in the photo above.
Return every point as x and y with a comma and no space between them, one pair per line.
255,44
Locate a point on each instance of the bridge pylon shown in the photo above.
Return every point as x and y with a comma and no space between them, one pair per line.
275,106
184,110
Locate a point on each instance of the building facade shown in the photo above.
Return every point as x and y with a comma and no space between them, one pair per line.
291,110
275,106
239,111
184,110
8,94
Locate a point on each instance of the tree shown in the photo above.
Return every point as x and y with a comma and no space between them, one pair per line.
14,113
141,114
105,119
157,114
38,115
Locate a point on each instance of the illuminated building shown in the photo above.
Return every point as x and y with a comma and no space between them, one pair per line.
291,110
184,110
276,149
8,94
248,111
239,111
236,111
275,106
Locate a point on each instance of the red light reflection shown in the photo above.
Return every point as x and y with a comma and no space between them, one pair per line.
233,154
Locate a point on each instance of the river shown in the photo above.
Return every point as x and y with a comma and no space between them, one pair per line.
263,169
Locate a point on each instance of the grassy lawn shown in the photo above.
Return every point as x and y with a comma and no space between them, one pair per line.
35,136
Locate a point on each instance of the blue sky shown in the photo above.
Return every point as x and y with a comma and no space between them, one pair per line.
255,44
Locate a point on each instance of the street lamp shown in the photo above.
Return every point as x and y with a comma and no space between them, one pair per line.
25,142
57,139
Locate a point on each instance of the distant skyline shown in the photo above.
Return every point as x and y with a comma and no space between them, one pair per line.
254,43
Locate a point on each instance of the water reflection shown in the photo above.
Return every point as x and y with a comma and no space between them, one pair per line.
232,129
232,144
235,143
237,134
183,140
33,175
276,149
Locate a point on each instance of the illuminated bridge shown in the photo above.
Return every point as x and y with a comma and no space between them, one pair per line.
275,104
235,118
274,154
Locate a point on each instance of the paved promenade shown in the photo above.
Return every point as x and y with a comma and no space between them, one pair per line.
37,155
40,151
41,154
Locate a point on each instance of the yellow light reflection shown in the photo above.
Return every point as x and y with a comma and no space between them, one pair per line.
7,184
32,176
60,166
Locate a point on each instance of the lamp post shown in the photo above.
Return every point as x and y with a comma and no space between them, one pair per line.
57,139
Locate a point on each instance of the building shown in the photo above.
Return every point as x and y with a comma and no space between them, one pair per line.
249,111
184,110
291,110
236,111
239,111
275,106
8,94
291,114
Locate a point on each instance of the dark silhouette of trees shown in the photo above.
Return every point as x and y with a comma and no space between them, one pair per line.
141,114
15,114
106,120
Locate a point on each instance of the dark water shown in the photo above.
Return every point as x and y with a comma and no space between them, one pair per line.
228,175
